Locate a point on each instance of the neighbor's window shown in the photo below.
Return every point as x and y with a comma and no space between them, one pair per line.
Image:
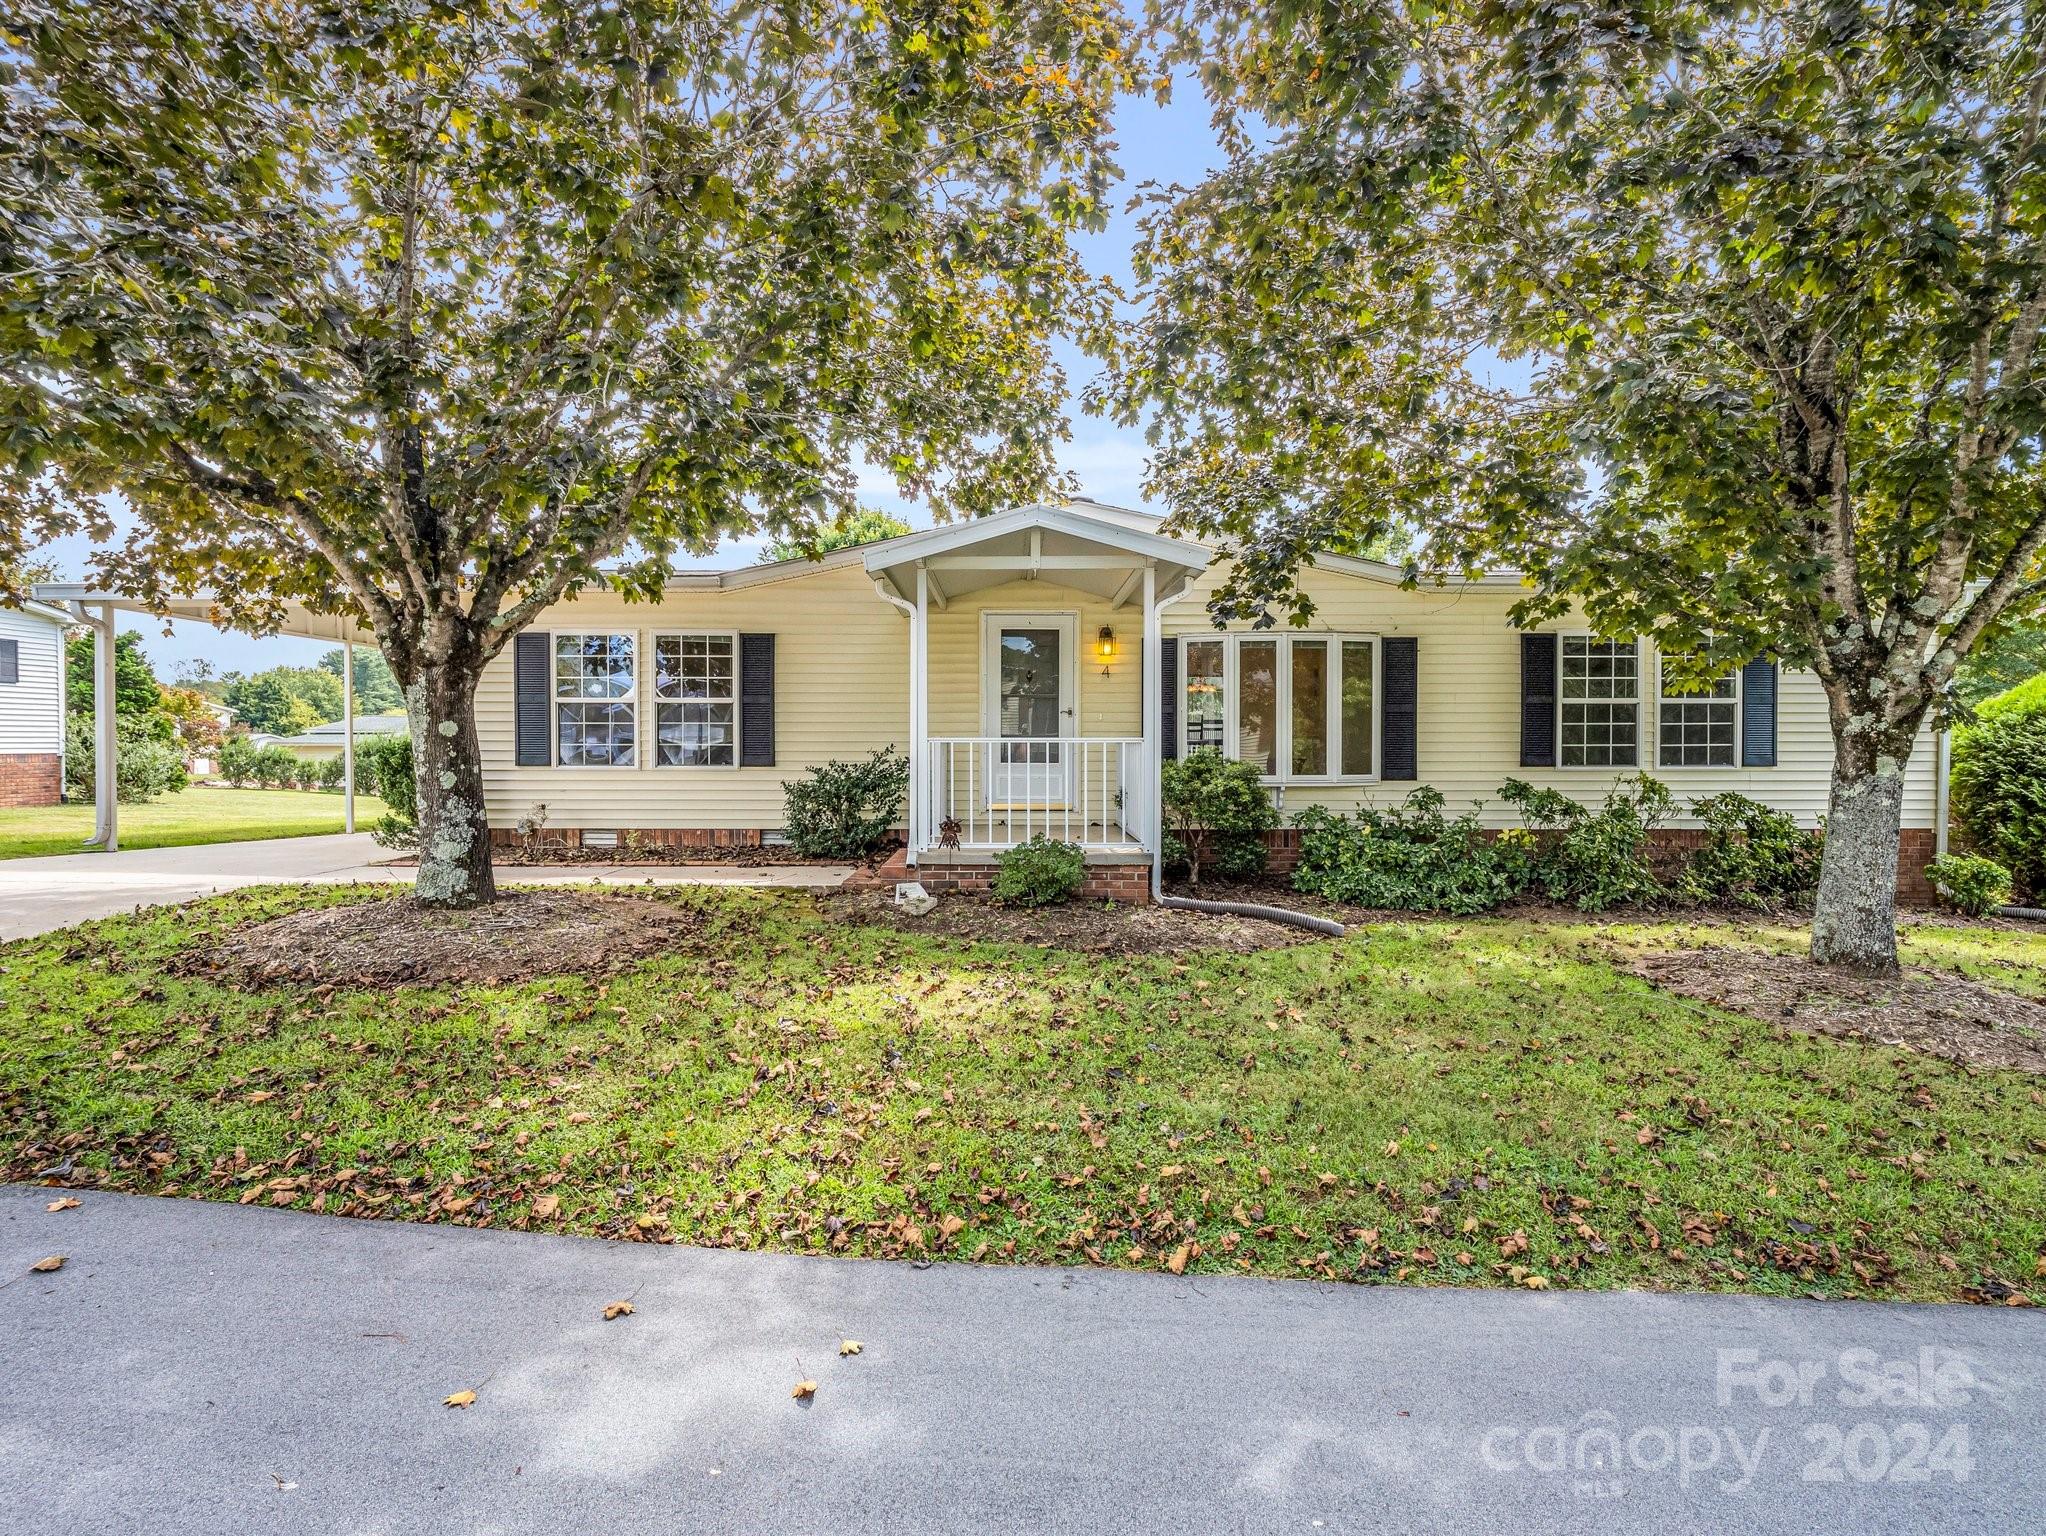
593,701
1695,728
1601,703
1301,707
696,700
1207,704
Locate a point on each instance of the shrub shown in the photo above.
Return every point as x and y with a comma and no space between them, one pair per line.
1970,883
1592,859
1999,782
276,768
238,760
388,761
331,772
145,763
1040,873
842,810
1411,857
1216,815
1752,856
383,767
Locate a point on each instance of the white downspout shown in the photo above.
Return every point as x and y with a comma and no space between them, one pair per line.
1943,767
347,735
908,611
919,713
1154,749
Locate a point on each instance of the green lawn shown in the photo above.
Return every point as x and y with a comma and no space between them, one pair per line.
201,814
1483,1102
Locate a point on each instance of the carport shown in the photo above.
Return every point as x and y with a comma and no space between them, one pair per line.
99,611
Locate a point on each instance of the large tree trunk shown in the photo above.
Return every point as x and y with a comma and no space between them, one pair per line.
1855,921
454,837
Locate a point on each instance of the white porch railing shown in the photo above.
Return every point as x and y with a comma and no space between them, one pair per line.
980,792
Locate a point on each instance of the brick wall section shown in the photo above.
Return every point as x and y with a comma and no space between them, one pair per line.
644,837
1915,851
1126,883
31,778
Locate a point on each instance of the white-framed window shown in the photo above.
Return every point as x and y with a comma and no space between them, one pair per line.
1598,702
595,686
1697,727
1303,707
696,700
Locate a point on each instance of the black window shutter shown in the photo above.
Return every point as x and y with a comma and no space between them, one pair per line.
1398,721
1537,701
10,661
1758,713
1168,698
756,701
533,689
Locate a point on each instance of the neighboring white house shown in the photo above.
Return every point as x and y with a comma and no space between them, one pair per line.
1038,665
325,741
32,704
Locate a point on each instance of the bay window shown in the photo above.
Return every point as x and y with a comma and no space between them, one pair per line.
595,719
1600,702
1303,708
696,700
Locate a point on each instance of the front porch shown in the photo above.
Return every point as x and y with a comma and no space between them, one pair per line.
1034,711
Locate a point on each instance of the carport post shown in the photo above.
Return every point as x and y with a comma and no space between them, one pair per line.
106,758
347,735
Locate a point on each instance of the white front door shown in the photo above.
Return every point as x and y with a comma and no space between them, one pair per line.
1031,662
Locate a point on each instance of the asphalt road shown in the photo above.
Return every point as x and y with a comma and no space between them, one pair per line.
210,1368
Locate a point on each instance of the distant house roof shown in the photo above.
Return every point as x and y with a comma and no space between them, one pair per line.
329,735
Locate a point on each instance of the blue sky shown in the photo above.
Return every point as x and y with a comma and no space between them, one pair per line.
1168,143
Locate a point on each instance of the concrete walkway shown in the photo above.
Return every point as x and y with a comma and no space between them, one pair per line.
206,1368
37,895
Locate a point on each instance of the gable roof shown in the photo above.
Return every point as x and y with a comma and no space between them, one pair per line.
329,733
43,611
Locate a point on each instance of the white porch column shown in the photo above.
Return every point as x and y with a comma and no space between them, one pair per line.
919,713
347,735
106,756
1154,749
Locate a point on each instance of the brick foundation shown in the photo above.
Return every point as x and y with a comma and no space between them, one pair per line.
1915,851
642,837
31,778
1126,883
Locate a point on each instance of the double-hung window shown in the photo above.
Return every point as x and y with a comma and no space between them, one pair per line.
1600,702
1301,707
696,700
1697,727
594,688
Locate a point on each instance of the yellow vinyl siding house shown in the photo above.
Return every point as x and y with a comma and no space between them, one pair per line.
1036,666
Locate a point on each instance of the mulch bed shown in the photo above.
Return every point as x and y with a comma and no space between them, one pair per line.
1940,1015
1082,926
393,940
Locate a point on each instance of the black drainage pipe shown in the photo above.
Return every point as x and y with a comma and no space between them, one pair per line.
1327,925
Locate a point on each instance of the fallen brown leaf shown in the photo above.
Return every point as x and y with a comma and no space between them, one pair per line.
849,1346
65,1204
546,1206
458,1399
804,1389
618,1309
47,1266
